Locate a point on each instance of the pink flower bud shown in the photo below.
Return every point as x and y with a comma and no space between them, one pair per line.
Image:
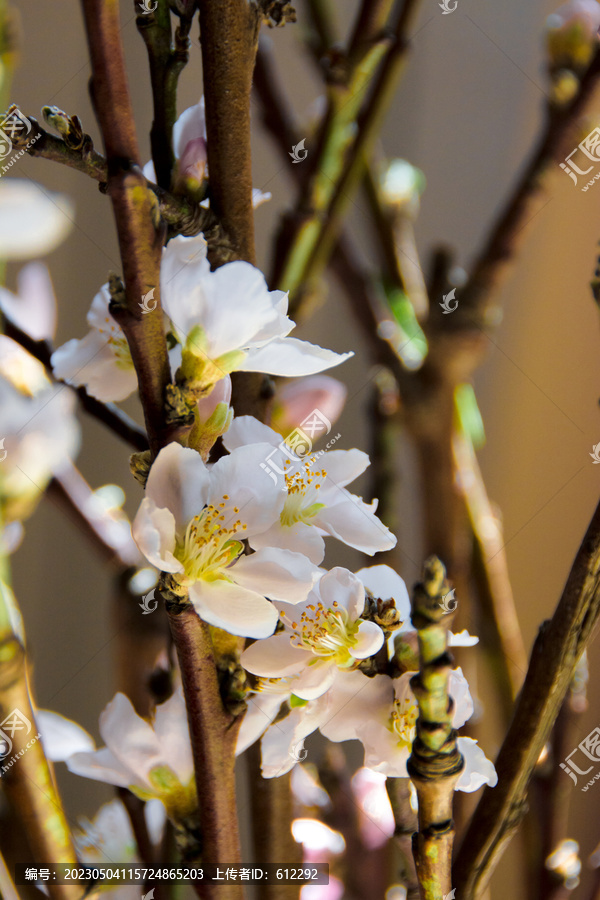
221,393
192,165
297,399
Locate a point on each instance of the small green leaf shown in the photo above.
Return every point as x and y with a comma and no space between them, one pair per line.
297,701
468,415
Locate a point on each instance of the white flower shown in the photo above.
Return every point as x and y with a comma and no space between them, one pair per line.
192,523
320,635
108,839
101,360
152,760
228,320
33,221
316,499
225,321
33,309
38,430
383,716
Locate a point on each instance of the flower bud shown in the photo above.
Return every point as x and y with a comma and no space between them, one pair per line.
297,399
572,34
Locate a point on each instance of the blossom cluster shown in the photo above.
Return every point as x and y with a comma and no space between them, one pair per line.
245,550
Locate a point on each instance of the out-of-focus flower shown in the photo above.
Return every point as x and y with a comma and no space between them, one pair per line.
192,523
572,34
33,221
320,635
376,819
154,760
109,838
33,308
39,433
316,501
565,863
295,401
317,839
401,185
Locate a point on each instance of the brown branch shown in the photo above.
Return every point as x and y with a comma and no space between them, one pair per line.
406,825
229,36
134,208
556,651
508,230
214,733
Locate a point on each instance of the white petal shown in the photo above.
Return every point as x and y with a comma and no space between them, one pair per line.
179,481
282,743
101,766
353,700
369,640
190,125
354,523
92,362
153,530
262,709
343,466
34,309
156,819
383,752
235,609
239,478
290,356
61,737
280,574
315,679
248,430
33,221
130,739
171,728
478,770
299,538
342,588
458,689
275,657
385,584
462,639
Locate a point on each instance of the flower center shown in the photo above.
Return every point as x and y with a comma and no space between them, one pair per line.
118,343
301,501
327,633
209,545
403,721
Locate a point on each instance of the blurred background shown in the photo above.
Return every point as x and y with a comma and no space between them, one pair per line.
466,114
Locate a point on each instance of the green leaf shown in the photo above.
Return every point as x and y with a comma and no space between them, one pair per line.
469,417
297,701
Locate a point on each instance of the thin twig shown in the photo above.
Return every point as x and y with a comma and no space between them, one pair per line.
107,413
556,651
